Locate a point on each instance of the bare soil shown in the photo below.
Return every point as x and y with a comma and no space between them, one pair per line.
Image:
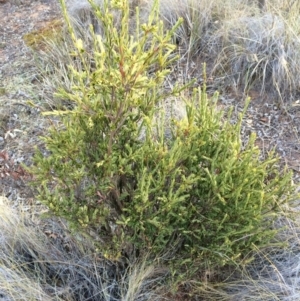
20,123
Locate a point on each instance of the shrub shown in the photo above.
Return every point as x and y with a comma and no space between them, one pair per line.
195,195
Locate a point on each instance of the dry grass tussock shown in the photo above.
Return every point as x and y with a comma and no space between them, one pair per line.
259,49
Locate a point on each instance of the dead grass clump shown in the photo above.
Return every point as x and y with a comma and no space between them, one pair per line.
259,50
201,20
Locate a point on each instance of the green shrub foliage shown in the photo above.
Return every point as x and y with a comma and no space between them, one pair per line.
197,196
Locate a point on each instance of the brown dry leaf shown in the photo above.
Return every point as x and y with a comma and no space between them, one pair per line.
15,175
4,155
264,119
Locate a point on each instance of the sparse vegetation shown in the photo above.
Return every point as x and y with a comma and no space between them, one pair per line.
161,196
